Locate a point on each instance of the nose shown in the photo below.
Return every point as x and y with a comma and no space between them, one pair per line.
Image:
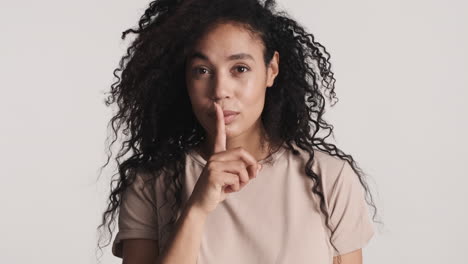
221,87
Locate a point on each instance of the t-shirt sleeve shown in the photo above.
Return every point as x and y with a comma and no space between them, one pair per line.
136,216
349,214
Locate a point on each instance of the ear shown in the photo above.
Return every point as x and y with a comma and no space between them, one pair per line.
273,69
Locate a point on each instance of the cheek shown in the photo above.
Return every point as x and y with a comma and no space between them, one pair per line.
196,92
252,94
200,106
196,100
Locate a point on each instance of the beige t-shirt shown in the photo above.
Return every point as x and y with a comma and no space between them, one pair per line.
275,218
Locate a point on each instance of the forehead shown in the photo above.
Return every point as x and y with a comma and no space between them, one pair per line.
224,40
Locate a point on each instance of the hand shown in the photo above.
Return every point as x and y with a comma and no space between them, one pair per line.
226,171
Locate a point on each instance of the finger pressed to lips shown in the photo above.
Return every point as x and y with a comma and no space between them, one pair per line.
251,163
220,138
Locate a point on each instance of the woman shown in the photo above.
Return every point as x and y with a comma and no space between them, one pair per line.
222,103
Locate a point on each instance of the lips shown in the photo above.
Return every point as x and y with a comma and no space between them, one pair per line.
229,112
226,113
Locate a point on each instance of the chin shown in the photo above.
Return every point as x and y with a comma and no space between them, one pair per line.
231,132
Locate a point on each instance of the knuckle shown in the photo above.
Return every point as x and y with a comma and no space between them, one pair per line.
241,150
211,158
247,175
240,164
212,165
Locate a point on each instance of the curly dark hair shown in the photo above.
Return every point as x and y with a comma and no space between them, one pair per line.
155,113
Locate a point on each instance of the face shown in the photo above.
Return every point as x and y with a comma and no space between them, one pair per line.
227,66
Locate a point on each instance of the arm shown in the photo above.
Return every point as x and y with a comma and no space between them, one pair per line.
139,251
349,216
354,257
184,245
186,239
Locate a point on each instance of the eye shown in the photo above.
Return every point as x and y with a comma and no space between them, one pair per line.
200,70
242,67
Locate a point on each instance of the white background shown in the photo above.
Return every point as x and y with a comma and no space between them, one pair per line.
401,70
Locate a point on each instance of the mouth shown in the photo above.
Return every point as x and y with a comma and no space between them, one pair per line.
229,112
226,113
229,116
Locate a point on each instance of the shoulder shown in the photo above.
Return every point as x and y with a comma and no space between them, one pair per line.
323,163
143,184
335,174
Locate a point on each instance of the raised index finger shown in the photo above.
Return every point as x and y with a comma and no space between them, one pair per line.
220,136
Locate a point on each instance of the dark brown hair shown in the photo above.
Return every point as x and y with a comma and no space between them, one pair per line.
154,111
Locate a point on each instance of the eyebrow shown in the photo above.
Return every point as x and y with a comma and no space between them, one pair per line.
238,56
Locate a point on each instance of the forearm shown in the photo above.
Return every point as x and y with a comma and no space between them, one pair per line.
184,245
